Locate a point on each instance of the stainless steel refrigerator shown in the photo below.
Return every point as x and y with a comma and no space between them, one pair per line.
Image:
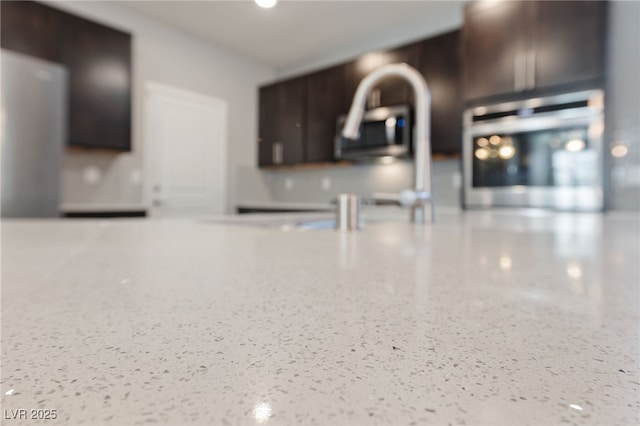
33,132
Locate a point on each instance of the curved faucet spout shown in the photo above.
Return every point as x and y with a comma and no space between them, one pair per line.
422,143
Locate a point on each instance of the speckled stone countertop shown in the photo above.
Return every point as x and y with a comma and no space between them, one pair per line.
482,318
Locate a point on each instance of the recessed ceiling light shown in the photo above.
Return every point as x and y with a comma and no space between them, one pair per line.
266,3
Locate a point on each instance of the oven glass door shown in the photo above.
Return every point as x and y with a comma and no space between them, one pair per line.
557,157
544,152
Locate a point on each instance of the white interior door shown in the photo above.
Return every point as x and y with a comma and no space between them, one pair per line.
185,141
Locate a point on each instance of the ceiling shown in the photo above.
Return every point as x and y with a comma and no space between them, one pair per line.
296,31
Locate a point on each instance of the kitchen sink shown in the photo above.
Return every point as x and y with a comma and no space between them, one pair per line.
316,224
284,221
306,221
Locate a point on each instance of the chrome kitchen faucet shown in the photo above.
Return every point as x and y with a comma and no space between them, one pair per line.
420,195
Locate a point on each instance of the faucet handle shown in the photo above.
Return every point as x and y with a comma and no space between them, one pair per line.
413,198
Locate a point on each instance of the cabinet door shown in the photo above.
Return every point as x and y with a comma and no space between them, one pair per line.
325,101
389,92
99,62
439,61
29,27
568,42
266,124
98,59
289,120
494,44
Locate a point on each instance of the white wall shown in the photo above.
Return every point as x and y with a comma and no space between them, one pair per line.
164,55
623,108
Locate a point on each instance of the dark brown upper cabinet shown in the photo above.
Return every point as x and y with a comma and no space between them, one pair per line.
511,48
569,42
267,125
281,123
326,100
438,59
290,120
98,60
493,42
389,92
30,28
297,117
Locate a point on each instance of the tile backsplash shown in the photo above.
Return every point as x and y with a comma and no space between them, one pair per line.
323,184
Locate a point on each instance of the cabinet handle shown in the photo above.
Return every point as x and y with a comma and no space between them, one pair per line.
519,71
371,101
277,152
374,99
531,69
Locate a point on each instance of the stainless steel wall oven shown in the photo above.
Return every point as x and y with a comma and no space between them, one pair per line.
542,152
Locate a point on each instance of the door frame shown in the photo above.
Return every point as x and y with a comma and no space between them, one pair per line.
151,154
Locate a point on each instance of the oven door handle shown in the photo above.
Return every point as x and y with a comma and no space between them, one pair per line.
529,124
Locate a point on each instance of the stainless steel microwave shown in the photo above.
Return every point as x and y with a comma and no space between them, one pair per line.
384,132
